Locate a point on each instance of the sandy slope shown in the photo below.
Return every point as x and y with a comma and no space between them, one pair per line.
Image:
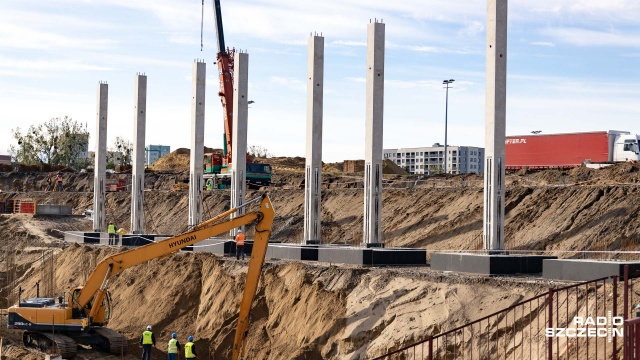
303,311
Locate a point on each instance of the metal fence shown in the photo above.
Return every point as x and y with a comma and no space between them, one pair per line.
580,321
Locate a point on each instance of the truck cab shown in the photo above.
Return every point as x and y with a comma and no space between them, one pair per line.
626,148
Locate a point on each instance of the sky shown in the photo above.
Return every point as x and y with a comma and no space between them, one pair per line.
572,66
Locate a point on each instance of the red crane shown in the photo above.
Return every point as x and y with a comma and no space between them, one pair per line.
256,174
225,72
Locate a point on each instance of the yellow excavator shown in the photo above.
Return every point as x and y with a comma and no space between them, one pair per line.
82,319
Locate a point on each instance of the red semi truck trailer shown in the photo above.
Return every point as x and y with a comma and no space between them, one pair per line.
570,150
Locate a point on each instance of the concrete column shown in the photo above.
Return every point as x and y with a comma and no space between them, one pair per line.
372,227
313,166
100,165
495,121
239,137
137,177
196,181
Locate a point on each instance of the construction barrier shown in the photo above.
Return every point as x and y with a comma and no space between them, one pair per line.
24,207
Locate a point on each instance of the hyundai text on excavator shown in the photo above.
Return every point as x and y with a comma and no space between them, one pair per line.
220,165
83,317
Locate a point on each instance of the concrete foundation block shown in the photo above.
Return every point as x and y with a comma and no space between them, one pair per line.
488,264
372,256
293,252
51,209
585,270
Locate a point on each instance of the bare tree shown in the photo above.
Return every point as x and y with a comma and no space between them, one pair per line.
55,142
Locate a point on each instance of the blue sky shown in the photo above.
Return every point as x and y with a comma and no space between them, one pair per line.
572,66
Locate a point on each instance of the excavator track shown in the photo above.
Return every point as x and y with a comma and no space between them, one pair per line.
115,343
61,344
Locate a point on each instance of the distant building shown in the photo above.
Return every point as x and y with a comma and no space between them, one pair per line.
430,160
5,159
155,152
82,146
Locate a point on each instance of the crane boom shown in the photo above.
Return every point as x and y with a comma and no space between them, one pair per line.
225,72
219,30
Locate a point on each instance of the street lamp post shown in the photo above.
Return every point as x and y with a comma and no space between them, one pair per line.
446,110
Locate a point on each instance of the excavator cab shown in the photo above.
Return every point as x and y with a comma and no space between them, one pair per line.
101,318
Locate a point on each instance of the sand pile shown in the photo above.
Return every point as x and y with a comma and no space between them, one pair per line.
389,167
178,160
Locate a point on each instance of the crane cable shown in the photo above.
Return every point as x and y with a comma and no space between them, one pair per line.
202,27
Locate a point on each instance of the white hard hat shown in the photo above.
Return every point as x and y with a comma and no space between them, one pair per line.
148,327
239,230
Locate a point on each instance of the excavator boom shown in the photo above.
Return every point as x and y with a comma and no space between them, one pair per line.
82,317
115,264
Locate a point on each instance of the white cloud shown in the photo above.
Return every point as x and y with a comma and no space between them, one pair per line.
22,37
47,66
349,43
587,37
289,82
357,79
543,43
474,29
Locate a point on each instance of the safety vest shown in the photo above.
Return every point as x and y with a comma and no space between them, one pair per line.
112,229
147,338
173,346
188,352
240,239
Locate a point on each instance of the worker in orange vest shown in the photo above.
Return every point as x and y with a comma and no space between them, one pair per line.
58,184
239,245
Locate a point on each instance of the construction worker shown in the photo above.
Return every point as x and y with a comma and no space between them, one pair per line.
147,340
190,349
239,244
58,183
48,182
113,236
209,185
173,349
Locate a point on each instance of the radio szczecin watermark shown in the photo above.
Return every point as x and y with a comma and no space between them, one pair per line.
599,326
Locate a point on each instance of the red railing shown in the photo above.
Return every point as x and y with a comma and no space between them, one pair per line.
632,339
547,326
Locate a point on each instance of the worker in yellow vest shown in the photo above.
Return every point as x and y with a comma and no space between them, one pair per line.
240,245
111,229
173,348
147,340
190,349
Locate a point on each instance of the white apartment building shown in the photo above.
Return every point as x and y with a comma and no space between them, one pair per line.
430,160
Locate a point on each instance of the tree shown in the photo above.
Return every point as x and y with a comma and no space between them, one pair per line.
121,153
259,152
56,142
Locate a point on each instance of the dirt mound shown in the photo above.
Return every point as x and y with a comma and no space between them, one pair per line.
389,167
295,164
178,160
622,173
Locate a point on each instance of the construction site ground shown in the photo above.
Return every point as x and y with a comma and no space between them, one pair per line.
307,310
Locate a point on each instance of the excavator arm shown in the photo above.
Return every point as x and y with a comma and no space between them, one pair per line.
258,253
96,287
